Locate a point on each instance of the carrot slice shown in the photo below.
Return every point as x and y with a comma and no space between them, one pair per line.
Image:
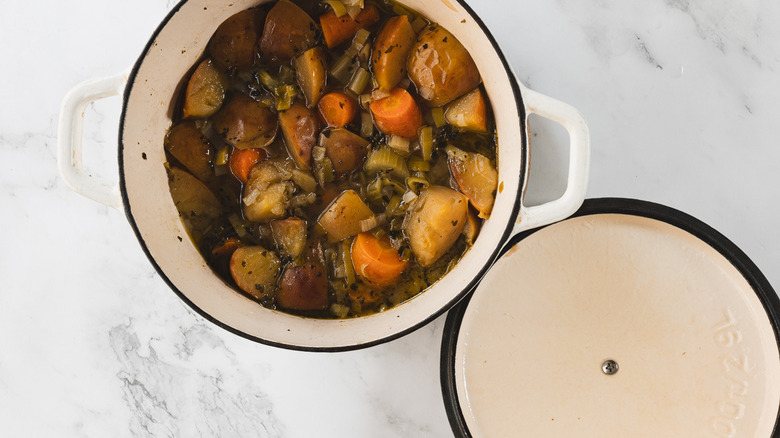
226,248
243,160
337,109
391,51
336,30
375,260
397,114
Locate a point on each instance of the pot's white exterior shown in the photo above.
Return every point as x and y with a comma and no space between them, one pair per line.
149,100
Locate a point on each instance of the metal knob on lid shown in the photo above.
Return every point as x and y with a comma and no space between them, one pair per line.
628,305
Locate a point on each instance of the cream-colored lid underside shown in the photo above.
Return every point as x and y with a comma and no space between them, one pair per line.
696,350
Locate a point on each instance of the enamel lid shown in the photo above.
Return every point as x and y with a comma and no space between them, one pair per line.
629,319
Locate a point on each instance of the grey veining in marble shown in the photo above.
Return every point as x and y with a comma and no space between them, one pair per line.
682,99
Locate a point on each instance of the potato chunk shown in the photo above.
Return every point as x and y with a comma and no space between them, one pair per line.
290,235
192,149
268,192
197,205
346,150
342,218
312,72
440,67
271,204
254,269
288,31
469,112
234,44
205,91
304,287
391,51
245,123
435,222
301,128
476,178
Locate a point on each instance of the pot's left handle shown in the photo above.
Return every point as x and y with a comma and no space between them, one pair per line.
69,137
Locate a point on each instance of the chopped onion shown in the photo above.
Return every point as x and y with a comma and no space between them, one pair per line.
379,94
338,8
361,38
398,143
318,152
339,271
368,224
366,125
339,310
409,197
353,11
252,193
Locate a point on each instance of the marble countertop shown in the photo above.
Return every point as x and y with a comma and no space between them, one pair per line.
683,103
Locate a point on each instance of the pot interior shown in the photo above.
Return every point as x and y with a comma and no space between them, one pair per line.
150,98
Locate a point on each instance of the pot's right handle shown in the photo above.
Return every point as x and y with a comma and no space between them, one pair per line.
69,137
579,161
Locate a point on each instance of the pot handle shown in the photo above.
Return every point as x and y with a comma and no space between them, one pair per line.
69,139
579,162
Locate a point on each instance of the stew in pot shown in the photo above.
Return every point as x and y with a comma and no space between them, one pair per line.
332,159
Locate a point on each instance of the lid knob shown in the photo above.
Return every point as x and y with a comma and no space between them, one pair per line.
610,367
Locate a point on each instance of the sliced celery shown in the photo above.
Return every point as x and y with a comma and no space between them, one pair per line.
385,158
426,142
359,81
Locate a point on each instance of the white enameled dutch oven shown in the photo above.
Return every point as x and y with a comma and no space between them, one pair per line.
149,97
